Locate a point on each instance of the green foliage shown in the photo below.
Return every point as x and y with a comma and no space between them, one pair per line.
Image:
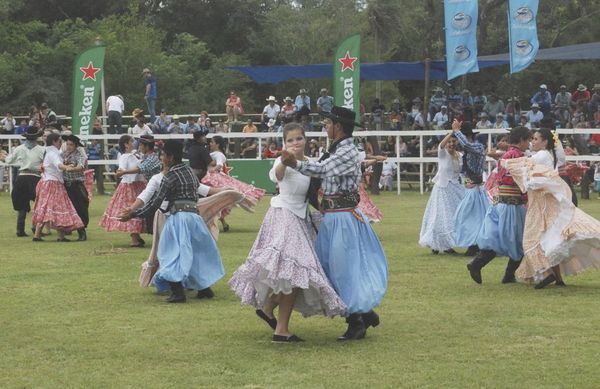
190,43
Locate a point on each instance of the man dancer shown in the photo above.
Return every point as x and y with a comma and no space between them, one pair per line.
74,181
502,229
29,157
346,245
473,207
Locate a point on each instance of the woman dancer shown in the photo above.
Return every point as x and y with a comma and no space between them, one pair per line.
367,160
282,267
53,207
217,176
437,229
129,188
559,238
187,252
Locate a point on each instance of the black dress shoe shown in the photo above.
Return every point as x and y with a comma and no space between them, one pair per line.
286,339
225,227
177,293
560,283
82,235
205,294
63,240
356,328
272,322
450,251
546,281
435,252
474,271
21,234
37,239
175,298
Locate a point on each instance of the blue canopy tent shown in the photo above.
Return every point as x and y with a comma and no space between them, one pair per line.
408,70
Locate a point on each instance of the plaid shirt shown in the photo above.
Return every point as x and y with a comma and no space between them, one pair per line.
77,159
180,183
150,166
474,158
340,172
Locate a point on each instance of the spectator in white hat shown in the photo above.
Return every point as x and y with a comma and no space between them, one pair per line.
483,122
581,95
271,111
563,103
543,99
324,102
302,102
535,116
441,118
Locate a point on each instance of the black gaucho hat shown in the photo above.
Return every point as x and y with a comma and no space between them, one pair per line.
73,139
32,133
146,139
342,115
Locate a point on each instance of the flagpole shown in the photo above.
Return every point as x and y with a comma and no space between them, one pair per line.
103,102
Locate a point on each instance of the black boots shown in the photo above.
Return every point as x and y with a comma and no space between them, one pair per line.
177,293
371,319
21,216
483,258
356,328
82,235
472,251
509,273
205,294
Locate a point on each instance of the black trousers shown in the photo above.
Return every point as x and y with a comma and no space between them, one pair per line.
115,122
79,197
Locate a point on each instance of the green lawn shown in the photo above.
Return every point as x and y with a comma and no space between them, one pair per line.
73,315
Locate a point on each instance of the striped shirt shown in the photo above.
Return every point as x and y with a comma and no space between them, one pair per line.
473,158
340,172
180,183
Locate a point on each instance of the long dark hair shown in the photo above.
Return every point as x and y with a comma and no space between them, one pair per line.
547,135
220,141
123,140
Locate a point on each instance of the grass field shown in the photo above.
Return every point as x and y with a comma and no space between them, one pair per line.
73,316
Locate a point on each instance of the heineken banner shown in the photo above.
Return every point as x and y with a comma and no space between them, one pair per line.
346,75
461,37
522,33
87,78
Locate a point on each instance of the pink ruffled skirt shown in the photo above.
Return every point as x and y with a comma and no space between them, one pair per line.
124,196
52,205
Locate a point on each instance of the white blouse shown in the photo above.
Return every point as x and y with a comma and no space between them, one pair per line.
51,161
448,168
129,161
292,191
219,158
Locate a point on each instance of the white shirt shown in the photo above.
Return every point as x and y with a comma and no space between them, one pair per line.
534,117
272,112
440,118
129,161
219,158
292,191
483,124
388,168
139,131
114,103
544,157
448,168
8,124
51,161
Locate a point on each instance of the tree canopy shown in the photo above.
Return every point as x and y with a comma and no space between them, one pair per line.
189,43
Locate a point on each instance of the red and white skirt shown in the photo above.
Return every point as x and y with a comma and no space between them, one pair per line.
124,197
52,205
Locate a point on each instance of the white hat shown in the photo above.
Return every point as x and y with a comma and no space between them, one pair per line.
499,115
271,123
543,86
535,105
581,88
444,107
288,98
324,90
175,117
271,98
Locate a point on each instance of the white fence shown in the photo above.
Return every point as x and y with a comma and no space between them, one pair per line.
421,160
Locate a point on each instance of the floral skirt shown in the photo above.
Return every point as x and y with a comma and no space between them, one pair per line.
52,205
283,258
124,196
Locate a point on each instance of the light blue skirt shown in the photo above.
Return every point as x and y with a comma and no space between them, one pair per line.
353,260
502,230
469,216
187,253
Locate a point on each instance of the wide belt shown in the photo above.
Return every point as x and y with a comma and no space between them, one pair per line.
183,206
340,202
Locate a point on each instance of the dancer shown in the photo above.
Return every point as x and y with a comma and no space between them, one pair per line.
558,237
367,160
474,205
282,267
217,176
28,157
75,181
346,245
53,208
148,167
129,188
502,229
437,229
187,253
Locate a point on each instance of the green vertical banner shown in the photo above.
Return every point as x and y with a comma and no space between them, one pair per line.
346,75
87,80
